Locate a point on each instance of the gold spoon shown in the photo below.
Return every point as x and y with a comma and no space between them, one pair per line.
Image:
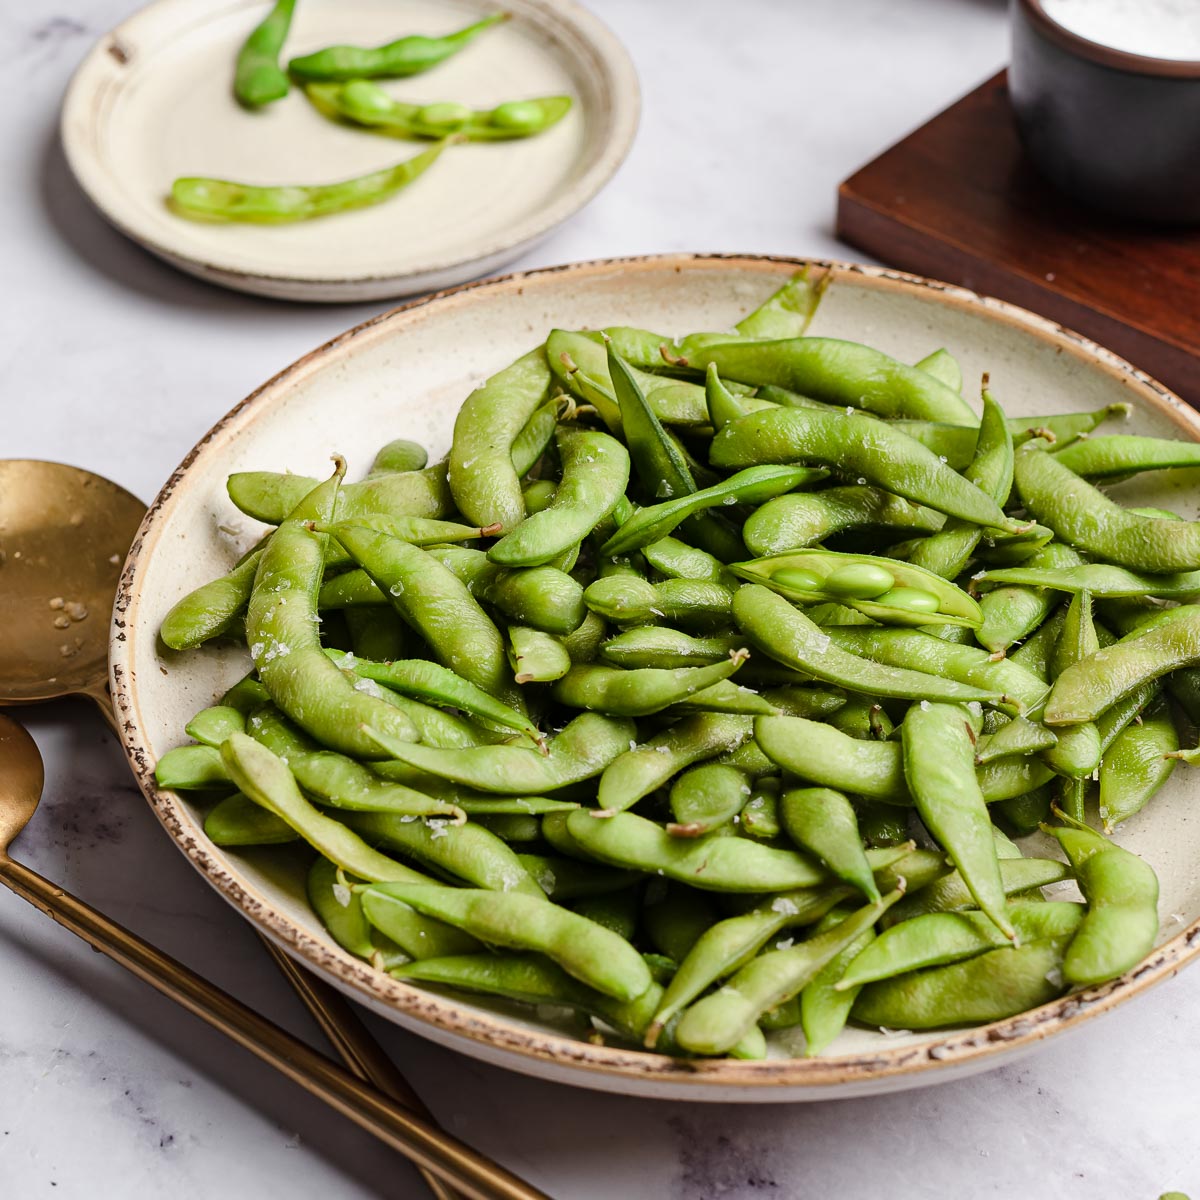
21,779
64,534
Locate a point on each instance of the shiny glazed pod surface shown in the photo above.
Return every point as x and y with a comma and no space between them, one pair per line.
347,394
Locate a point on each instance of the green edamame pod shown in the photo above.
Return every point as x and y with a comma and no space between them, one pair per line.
1119,455
639,692
436,603
1121,924
639,770
204,199
595,473
631,600
1101,579
718,1021
406,56
1083,516
951,894
883,589
947,552
803,519
785,634
211,726
988,987
238,821
1016,737
1087,689
583,749
1035,652
592,954
536,657
1076,751
258,78
788,312
856,445
266,779
938,938
435,684
212,609
399,454
564,879
376,632
662,648
1137,764
340,910
468,852
271,496
939,766
822,822
369,106
706,797
837,372
943,366
482,477
1013,612
823,1011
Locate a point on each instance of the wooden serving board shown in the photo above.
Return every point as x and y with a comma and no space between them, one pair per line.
958,200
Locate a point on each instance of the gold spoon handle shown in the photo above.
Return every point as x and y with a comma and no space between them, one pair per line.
361,1053
428,1146
355,1046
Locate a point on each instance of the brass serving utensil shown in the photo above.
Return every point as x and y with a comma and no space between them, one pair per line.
64,534
21,779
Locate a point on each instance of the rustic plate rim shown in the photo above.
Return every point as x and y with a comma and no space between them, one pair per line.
967,1047
80,124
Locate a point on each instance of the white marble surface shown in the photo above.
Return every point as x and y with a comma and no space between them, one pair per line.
754,111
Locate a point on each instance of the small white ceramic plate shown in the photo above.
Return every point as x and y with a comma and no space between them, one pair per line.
405,374
153,101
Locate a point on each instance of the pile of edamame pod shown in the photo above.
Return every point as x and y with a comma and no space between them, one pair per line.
702,688
339,82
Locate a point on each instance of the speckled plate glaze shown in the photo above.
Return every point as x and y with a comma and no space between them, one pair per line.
153,100
405,373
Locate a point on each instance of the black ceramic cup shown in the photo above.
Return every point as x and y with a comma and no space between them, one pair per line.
1117,131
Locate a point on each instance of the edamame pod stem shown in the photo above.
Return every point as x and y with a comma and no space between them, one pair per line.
266,779
483,480
205,199
595,474
936,939
856,445
270,496
583,749
638,693
258,78
1087,519
592,954
1121,924
282,633
803,519
436,603
939,766
1087,689
406,56
947,552
718,1021
988,987
1118,455
368,106
837,372
784,633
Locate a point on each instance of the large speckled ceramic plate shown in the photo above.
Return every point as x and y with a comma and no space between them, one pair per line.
153,101
405,373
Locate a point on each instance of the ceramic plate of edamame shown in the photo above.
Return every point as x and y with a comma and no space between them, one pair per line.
154,102
712,673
